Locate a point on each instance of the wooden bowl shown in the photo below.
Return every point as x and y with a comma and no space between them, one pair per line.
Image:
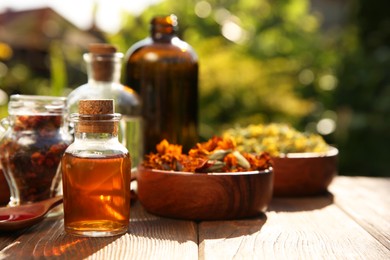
304,174
212,196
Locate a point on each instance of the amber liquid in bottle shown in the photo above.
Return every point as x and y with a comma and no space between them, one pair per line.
164,71
95,196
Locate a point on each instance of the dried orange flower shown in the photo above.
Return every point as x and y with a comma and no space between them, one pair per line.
216,155
166,148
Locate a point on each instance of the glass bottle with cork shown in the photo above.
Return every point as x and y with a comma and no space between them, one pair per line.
96,173
104,65
164,70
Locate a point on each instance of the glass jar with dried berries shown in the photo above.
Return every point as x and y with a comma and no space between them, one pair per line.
34,139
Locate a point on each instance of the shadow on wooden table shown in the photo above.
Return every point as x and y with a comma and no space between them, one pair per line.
231,228
186,230
48,239
293,204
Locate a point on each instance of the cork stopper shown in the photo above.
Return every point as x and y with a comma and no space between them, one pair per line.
96,107
102,61
101,48
96,116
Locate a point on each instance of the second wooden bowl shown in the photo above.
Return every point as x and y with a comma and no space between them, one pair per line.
304,174
212,196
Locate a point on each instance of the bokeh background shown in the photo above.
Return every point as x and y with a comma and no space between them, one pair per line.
320,65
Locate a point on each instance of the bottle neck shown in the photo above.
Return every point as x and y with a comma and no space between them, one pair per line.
103,67
162,34
100,126
164,28
96,136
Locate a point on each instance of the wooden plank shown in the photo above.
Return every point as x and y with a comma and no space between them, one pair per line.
7,238
148,237
367,201
229,239
152,237
48,240
306,228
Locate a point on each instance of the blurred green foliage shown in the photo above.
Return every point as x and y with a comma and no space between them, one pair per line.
362,99
253,76
58,70
273,61
268,61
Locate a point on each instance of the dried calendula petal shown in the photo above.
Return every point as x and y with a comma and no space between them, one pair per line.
164,147
216,155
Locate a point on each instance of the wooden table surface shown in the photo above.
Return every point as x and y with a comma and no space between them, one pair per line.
351,222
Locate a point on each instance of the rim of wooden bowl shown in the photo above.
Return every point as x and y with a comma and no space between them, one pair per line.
333,151
266,171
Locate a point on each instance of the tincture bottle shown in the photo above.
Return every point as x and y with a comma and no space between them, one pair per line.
96,173
164,70
104,65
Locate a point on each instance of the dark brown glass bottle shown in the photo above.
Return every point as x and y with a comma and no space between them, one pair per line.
164,70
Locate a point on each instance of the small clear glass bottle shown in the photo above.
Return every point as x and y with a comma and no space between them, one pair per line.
96,173
163,69
104,70
34,139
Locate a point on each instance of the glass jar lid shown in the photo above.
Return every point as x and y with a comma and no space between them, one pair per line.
36,105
